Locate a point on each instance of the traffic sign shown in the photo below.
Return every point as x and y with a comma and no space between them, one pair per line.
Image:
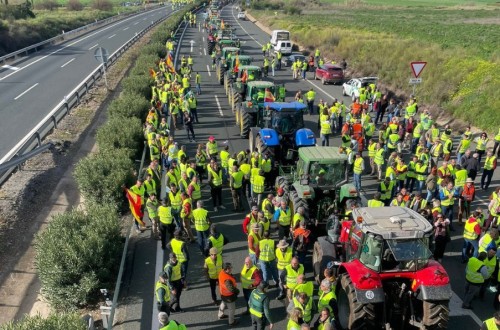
417,68
414,81
101,55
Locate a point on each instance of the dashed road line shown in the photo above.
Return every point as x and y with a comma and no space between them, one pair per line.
26,91
93,46
111,36
62,66
218,105
208,70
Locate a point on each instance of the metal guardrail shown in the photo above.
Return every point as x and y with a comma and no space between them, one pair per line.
35,47
34,138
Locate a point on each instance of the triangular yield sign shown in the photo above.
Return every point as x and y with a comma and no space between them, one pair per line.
417,68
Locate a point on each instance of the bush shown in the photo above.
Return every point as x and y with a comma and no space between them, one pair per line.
59,321
22,11
143,64
78,254
139,85
156,48
47,5
104,5
121,133
129,105
74,5
101,175
292,10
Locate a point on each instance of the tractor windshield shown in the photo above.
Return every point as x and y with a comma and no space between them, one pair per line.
409,255
259,93
326,174
287,122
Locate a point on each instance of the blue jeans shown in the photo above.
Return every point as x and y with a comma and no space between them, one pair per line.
254,259
325,140
448,213
198,89
459,157
357,182
420,185
269,269
467,244
202,237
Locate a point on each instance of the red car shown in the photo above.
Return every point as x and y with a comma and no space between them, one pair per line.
329,73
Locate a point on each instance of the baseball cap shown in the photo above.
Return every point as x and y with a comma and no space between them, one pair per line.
211,138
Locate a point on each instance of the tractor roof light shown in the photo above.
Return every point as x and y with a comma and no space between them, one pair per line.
307,193
359,219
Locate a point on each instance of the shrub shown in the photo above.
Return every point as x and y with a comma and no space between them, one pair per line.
138,84
58,321
104,5
121,133
101,175
143,64
155,48
22,11
74,5
78,254
129,105
47,5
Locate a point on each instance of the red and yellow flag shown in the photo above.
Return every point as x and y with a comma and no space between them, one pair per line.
244,76
236,64
268,96
170,63
135,202
152,73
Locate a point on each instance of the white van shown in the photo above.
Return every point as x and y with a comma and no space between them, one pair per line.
285,46
279,35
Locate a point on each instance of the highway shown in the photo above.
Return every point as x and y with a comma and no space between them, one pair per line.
145,258
33,85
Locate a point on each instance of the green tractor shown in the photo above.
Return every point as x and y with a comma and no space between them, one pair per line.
226,54
318,182
237,87
230,67
250,111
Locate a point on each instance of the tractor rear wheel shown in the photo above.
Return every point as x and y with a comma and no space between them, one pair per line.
282,182
226,85
354,315
235,100
323,253
263,148
298,202
245,123
436,314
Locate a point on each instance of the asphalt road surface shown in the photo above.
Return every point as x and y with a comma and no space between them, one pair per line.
32,86
145,259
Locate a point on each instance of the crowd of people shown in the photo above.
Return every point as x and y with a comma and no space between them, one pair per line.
438,181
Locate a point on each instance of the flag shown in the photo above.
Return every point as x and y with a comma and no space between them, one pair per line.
269,97
152,73
244,76
222,25
135,202
236,64
170,63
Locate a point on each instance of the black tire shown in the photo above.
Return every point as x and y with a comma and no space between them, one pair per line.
245,123
235,101
226,85
354,315
323,253
229,96
282,182
263,148
315,76
298,202
323,81
436,314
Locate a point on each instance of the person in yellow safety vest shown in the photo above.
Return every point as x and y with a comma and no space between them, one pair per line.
152,208
162,294
183,182
392,142
436,151
289,276
266,165
421,173
216,240
490,165
201,224
213,266
166,222
475,274
326,127
372,150
379,160
236,183
447,195
497,144
492,323
215,182
149,185
284,257
264,49
303,286
310,96
358,169
304,303
190,62
463,146
224,158
491,263
418,203
201,162
246,168
259,307
253,240
386,190
173,269
179,248
401,172
376,202
250,277
187,215
295,319
490,239
211,148
268,207
298,217
327,297
267,259
443,173
481,143
194,190
398,201
283,215
258,187
325,321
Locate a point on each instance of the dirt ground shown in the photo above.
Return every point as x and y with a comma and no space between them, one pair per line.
25,206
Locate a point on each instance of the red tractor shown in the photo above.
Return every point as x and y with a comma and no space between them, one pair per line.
386,278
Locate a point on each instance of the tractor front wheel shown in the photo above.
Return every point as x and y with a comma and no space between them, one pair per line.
245,123
436,314
354,315
263,149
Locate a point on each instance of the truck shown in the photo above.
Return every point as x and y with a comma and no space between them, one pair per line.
386,278
279,128
318,182
279,35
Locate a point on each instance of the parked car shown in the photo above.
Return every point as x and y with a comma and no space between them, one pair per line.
351,88
287,61
241,15
329,73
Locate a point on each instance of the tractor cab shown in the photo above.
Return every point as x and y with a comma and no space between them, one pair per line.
231,62
285,118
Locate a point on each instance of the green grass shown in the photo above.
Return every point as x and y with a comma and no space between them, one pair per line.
460,43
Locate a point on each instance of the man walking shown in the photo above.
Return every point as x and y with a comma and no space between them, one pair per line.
179,248
215,181
267,259
228,293
162,293
201,224
259,308
284,255
173,270
490,164
359,168
250,278
213,267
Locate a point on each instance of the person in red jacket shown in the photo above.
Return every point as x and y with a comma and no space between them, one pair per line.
466,198
228,293
250,219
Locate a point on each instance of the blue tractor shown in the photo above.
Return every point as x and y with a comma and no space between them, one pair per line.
280,131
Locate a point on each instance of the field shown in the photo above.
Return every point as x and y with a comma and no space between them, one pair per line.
459,40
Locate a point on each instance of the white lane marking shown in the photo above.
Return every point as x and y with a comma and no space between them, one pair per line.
203,39
62,66
321,89
218,105
15,68
208,70
145,18
205,51
69,45
93,46
111,36
26,91
136,23
125,29
155,324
